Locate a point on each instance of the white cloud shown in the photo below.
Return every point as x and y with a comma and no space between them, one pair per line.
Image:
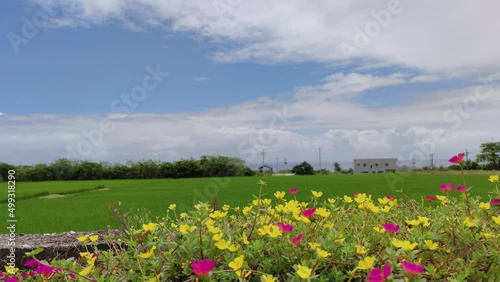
323,115
454,35
425,78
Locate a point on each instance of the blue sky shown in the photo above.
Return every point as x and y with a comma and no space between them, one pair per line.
246,76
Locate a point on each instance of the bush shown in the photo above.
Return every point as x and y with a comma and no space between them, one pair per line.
447,237
303,168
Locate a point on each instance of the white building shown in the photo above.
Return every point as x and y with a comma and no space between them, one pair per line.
375,165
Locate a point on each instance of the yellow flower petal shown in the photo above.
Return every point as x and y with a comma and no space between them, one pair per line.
303,271
148,254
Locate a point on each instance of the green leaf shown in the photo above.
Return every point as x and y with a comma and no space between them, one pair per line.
34,252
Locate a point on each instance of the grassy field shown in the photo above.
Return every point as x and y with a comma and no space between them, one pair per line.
84,207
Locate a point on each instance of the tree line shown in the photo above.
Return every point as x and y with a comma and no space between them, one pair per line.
71,169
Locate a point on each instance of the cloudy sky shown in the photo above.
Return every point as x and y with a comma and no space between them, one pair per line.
122,80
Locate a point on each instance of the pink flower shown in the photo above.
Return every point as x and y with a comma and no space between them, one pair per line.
285,227
24,275
446,187
202,267
460,188
294,190
495,202
355,194
390,197
377,275
391,228
31,262
309,212
430,199
457,159
297,239
412,268
10,279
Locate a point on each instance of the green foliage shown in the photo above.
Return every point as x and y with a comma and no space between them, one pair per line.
303,168
490,155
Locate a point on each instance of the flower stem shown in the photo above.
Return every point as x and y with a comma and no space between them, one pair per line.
465,186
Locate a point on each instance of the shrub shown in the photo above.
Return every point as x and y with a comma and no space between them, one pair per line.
449,236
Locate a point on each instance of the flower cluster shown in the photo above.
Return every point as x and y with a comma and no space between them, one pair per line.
279,238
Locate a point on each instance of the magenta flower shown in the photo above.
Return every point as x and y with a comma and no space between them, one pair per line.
377,275
457,159
495,202
202,267
309,212
297,239
31,262
294,190
24,275
446,187
390,197
412,268
430,199
10,279
285,227
391,228
72,276
460,188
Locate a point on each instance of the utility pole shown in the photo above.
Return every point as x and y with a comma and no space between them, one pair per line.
263,154
319,152
432,161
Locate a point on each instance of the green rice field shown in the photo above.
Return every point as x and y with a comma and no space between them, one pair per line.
46,207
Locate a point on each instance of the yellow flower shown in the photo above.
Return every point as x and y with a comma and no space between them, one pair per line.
484,206
223,244
360,198
360,250
217,237
379,229
316,194
155,278
496,219
313,245
244,239
394,202
233,248
237,263
82,239
149,227
405,245
94,238
186,229
442,199
383,201
494,179
322,253
279,194
272,230
366,263
11,270
470,222
424,220
431,245
84,254
328,225
385,209
488,235
414,222
331,201
347,199
340,240
322,212
172,207
85,271
303,271
372,207
212,229
148,254
183,215
268,278
173,225
226,207
218,214
240,272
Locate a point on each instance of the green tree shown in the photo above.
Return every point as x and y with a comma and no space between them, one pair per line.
490,155
303,168
337,168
